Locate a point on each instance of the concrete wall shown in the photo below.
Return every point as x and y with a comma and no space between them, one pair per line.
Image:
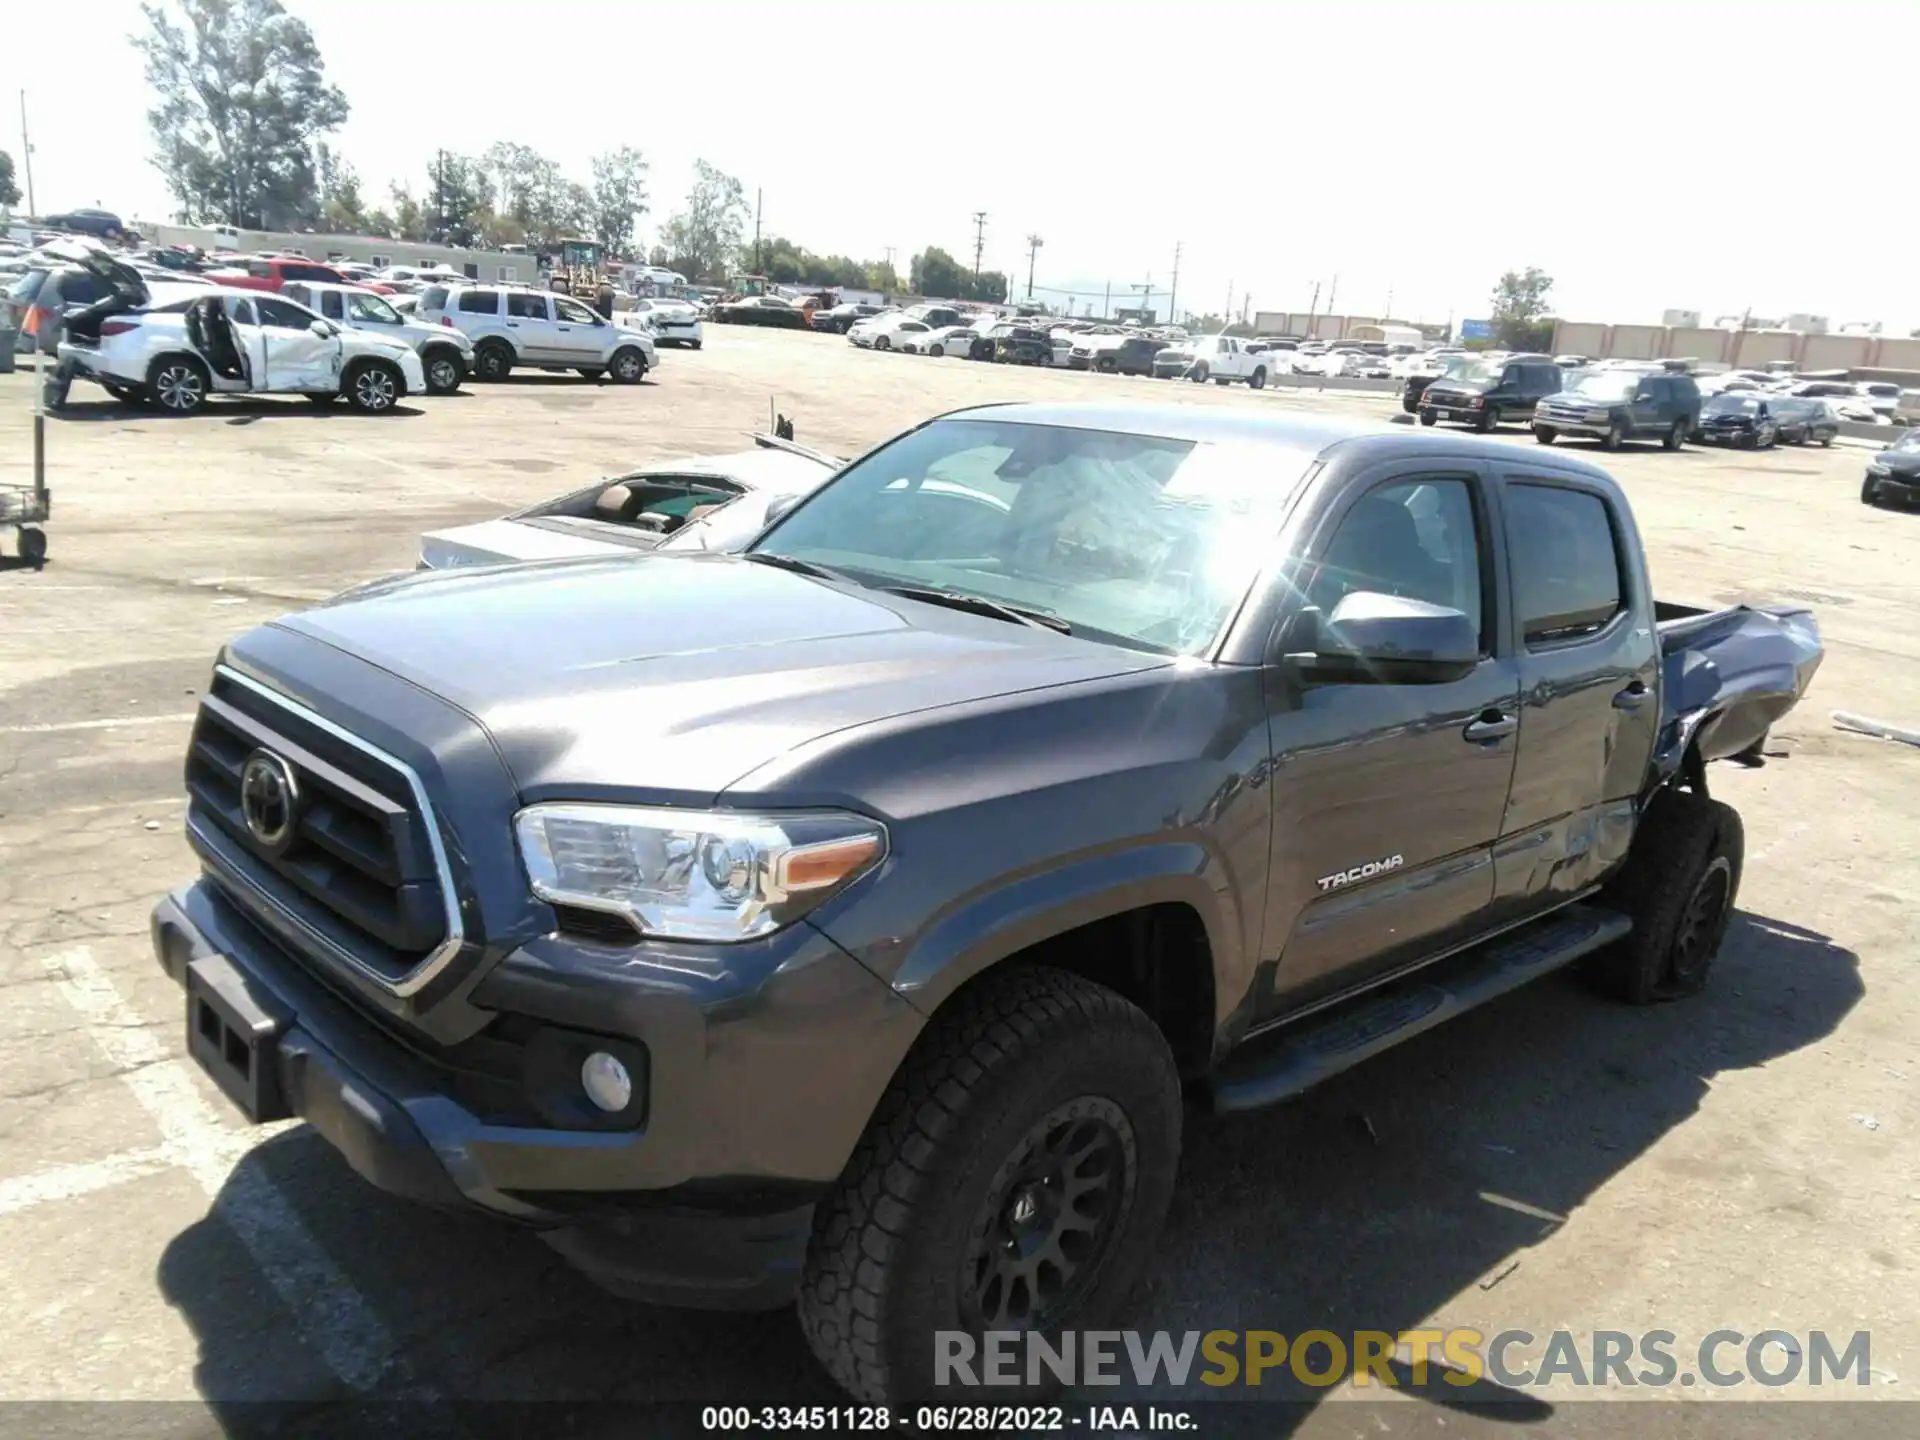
1579,337
1635,342
1835,352
1696,342
1897,353
1754,348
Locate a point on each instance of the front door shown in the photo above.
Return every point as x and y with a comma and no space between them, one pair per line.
1388,797
298,359
1589,697
577,332
531,325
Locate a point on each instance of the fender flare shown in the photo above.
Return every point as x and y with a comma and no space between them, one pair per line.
996,922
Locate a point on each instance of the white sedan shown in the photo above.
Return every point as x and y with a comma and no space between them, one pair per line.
673,322
887,332
700,502
947,340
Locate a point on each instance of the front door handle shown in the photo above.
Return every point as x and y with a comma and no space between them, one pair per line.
1492,725
1633,697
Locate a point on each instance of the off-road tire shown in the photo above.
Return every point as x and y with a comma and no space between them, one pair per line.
1685,845
492,360
884,1268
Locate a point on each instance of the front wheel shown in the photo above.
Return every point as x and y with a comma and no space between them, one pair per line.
1014,1177
880,342
627,366
1545,434
1615,434
937,352
372,388
1486,420
445,370
1676,436
1869,491
1678,886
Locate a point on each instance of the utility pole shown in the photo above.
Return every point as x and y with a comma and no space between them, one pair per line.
758,196
1034,242
26,155
1173,288
1106,305
979,239
1332,291
1313,306
1226,316
1389,314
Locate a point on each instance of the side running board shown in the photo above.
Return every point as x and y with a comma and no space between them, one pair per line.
1296,1058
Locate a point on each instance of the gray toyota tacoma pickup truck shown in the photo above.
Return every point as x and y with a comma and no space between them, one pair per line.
850,923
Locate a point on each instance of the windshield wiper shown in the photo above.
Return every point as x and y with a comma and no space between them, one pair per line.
981,605
796,565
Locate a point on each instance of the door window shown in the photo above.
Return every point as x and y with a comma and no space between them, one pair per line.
524,306
1414,538
281,315
571,311
241,312
1566,563
329,305
480,302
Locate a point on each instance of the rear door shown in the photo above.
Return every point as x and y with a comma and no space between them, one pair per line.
243,333
1589,706
1406,783
530,323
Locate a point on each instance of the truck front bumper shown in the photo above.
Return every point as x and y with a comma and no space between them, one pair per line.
695,1202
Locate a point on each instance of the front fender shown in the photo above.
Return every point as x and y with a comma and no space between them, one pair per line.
988,926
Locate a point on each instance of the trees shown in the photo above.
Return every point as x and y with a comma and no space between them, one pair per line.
619,198
706,233
9,191
342,209
409,221
934,272
241,99
1520,310
459,200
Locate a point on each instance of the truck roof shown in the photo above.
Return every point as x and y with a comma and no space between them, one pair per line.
1298,432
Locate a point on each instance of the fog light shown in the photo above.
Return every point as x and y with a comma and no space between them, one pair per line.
606,1082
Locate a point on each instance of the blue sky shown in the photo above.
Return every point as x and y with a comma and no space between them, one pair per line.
1688,154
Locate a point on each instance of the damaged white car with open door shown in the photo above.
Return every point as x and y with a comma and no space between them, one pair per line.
698,502
238,342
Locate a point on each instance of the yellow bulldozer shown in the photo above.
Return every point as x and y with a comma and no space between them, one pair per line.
579,270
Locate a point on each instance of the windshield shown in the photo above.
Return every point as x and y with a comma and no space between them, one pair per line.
371,310
1908,443
1137,540
1478,372
1733,404
1604,385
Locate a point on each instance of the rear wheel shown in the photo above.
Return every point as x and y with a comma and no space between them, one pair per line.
1198,374
1259,379
1014,1177
1427,417
492,360
33,545
1678,886
178,384
1545,434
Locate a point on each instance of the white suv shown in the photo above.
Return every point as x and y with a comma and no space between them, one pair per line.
516,325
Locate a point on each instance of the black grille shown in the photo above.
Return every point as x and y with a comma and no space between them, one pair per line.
358,873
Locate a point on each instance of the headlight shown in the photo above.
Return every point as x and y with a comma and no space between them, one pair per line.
1596,415
695,875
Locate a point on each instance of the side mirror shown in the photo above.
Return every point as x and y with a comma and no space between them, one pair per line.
778,507
1375,639
323,329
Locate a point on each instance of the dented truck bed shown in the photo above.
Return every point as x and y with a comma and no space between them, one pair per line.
1728,675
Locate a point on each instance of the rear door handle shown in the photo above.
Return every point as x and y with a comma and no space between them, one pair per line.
1492,725
1632,698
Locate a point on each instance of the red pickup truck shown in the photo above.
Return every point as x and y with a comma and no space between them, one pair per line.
271,272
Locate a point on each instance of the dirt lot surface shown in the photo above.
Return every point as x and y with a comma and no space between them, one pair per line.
1746,1161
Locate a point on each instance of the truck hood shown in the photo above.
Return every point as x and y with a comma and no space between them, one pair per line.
670,679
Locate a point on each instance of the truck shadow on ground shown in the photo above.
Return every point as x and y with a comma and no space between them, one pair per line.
233,412
1368,1205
